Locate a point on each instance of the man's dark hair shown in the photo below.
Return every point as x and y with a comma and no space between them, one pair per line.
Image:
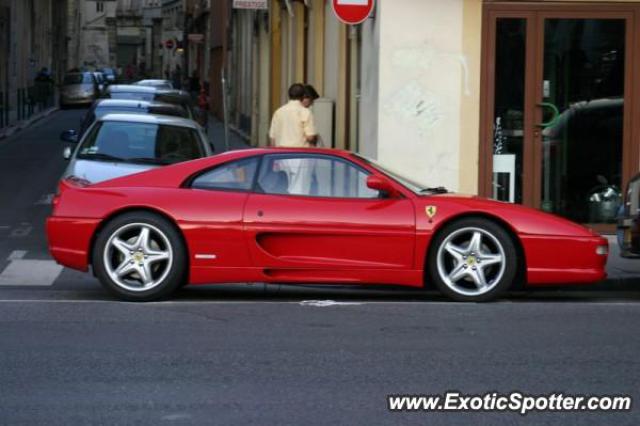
296,92
310,92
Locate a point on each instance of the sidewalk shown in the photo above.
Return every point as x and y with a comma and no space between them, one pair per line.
623,274
5,132
216,134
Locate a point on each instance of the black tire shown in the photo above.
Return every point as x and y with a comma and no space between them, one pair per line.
174,272
495,241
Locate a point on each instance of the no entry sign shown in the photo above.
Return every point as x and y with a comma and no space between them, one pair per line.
352,11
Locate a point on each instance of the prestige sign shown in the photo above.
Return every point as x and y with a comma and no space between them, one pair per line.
251,4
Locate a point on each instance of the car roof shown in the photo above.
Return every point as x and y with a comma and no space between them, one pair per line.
152,106
151,119
152,81
129,103
132,88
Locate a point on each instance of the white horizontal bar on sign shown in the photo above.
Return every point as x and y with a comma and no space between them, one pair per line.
352,2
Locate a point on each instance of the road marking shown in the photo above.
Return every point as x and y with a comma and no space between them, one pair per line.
17,254
30,273
326,303
46,199
22,231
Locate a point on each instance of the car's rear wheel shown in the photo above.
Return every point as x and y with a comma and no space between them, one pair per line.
139,256
473,260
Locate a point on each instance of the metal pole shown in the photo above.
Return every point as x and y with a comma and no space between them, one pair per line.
225,110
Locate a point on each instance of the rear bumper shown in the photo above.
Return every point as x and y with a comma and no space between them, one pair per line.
70,240
564,260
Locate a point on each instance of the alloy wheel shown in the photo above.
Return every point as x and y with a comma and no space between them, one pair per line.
471,261
138,257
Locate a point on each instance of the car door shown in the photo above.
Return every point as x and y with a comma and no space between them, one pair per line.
311,212
211,206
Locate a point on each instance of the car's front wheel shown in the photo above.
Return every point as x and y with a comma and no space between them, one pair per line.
139,256
473,260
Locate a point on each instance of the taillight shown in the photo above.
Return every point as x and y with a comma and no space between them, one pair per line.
65,184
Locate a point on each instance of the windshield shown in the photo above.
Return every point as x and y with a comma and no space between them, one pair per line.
102,111
141,143
404,181
77,78
136,96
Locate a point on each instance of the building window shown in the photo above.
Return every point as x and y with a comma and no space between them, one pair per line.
99,6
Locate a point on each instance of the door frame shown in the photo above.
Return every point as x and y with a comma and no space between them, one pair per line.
536,13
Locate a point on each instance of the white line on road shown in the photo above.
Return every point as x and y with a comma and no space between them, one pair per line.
30,273
22,231
46,199
17,254
326,303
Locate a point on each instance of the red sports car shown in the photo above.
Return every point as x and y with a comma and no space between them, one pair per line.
308,216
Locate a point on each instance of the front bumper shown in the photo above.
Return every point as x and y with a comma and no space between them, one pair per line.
559,260
628,236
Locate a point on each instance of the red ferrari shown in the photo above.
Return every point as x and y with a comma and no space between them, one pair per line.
308,216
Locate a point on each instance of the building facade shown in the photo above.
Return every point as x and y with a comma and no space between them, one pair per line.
32,37
91,33
138,40
528,102
171,43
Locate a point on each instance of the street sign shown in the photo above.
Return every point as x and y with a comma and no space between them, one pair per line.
352,12
169,44
251,4
196,38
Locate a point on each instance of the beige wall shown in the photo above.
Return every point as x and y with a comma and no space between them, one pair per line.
428,91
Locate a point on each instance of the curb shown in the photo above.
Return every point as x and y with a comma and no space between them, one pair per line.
11,130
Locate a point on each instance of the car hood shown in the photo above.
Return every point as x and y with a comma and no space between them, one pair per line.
98,171
523,220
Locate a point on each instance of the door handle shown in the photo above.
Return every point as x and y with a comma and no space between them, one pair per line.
554,119
260,213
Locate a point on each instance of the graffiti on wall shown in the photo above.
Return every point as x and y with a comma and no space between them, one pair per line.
414,101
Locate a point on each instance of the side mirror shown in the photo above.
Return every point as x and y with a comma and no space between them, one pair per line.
66,154
70,136
379,184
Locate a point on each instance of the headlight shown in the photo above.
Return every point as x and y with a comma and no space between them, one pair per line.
602,250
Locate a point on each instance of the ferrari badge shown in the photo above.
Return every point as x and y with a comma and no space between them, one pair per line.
431,211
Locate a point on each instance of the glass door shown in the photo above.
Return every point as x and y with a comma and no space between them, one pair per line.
555,113
509,110
581,108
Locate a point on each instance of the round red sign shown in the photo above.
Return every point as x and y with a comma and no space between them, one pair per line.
168,44
352,11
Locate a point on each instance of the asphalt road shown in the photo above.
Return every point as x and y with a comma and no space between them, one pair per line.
271,355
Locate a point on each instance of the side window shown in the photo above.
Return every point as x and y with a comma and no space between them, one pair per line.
313,176
237,175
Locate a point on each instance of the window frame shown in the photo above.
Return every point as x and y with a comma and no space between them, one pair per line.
188,183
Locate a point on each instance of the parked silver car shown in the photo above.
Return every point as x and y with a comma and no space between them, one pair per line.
159,84
102,107
78,88
122,144
150,93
